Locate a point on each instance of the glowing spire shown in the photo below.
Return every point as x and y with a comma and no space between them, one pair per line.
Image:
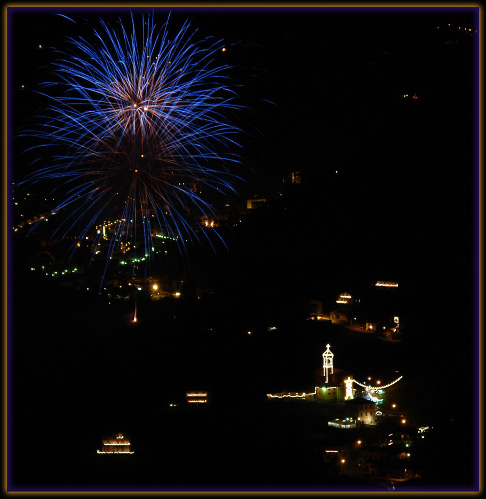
327,362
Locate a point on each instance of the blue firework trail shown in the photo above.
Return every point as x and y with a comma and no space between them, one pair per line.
135,128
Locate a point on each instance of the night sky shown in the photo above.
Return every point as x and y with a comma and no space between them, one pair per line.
388,186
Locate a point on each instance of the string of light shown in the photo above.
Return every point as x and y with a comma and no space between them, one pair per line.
291,395
374,388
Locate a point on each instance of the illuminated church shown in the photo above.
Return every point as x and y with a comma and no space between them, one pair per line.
330,381
360,404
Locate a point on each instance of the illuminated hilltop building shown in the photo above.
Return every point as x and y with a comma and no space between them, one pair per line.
359,405
329,389
335,386
119,444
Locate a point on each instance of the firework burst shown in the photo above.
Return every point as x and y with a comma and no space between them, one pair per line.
134,130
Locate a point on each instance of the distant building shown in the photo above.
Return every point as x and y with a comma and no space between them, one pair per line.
328,393
371,326
253,203
118,444
196,397
293,178
344,299
362,410
317,311
338,317
386,284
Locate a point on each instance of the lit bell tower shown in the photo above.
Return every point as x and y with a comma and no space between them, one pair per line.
327,365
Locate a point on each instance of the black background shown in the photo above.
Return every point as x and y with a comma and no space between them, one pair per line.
401,207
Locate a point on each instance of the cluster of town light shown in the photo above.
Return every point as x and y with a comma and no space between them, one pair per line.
105,224
461,28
